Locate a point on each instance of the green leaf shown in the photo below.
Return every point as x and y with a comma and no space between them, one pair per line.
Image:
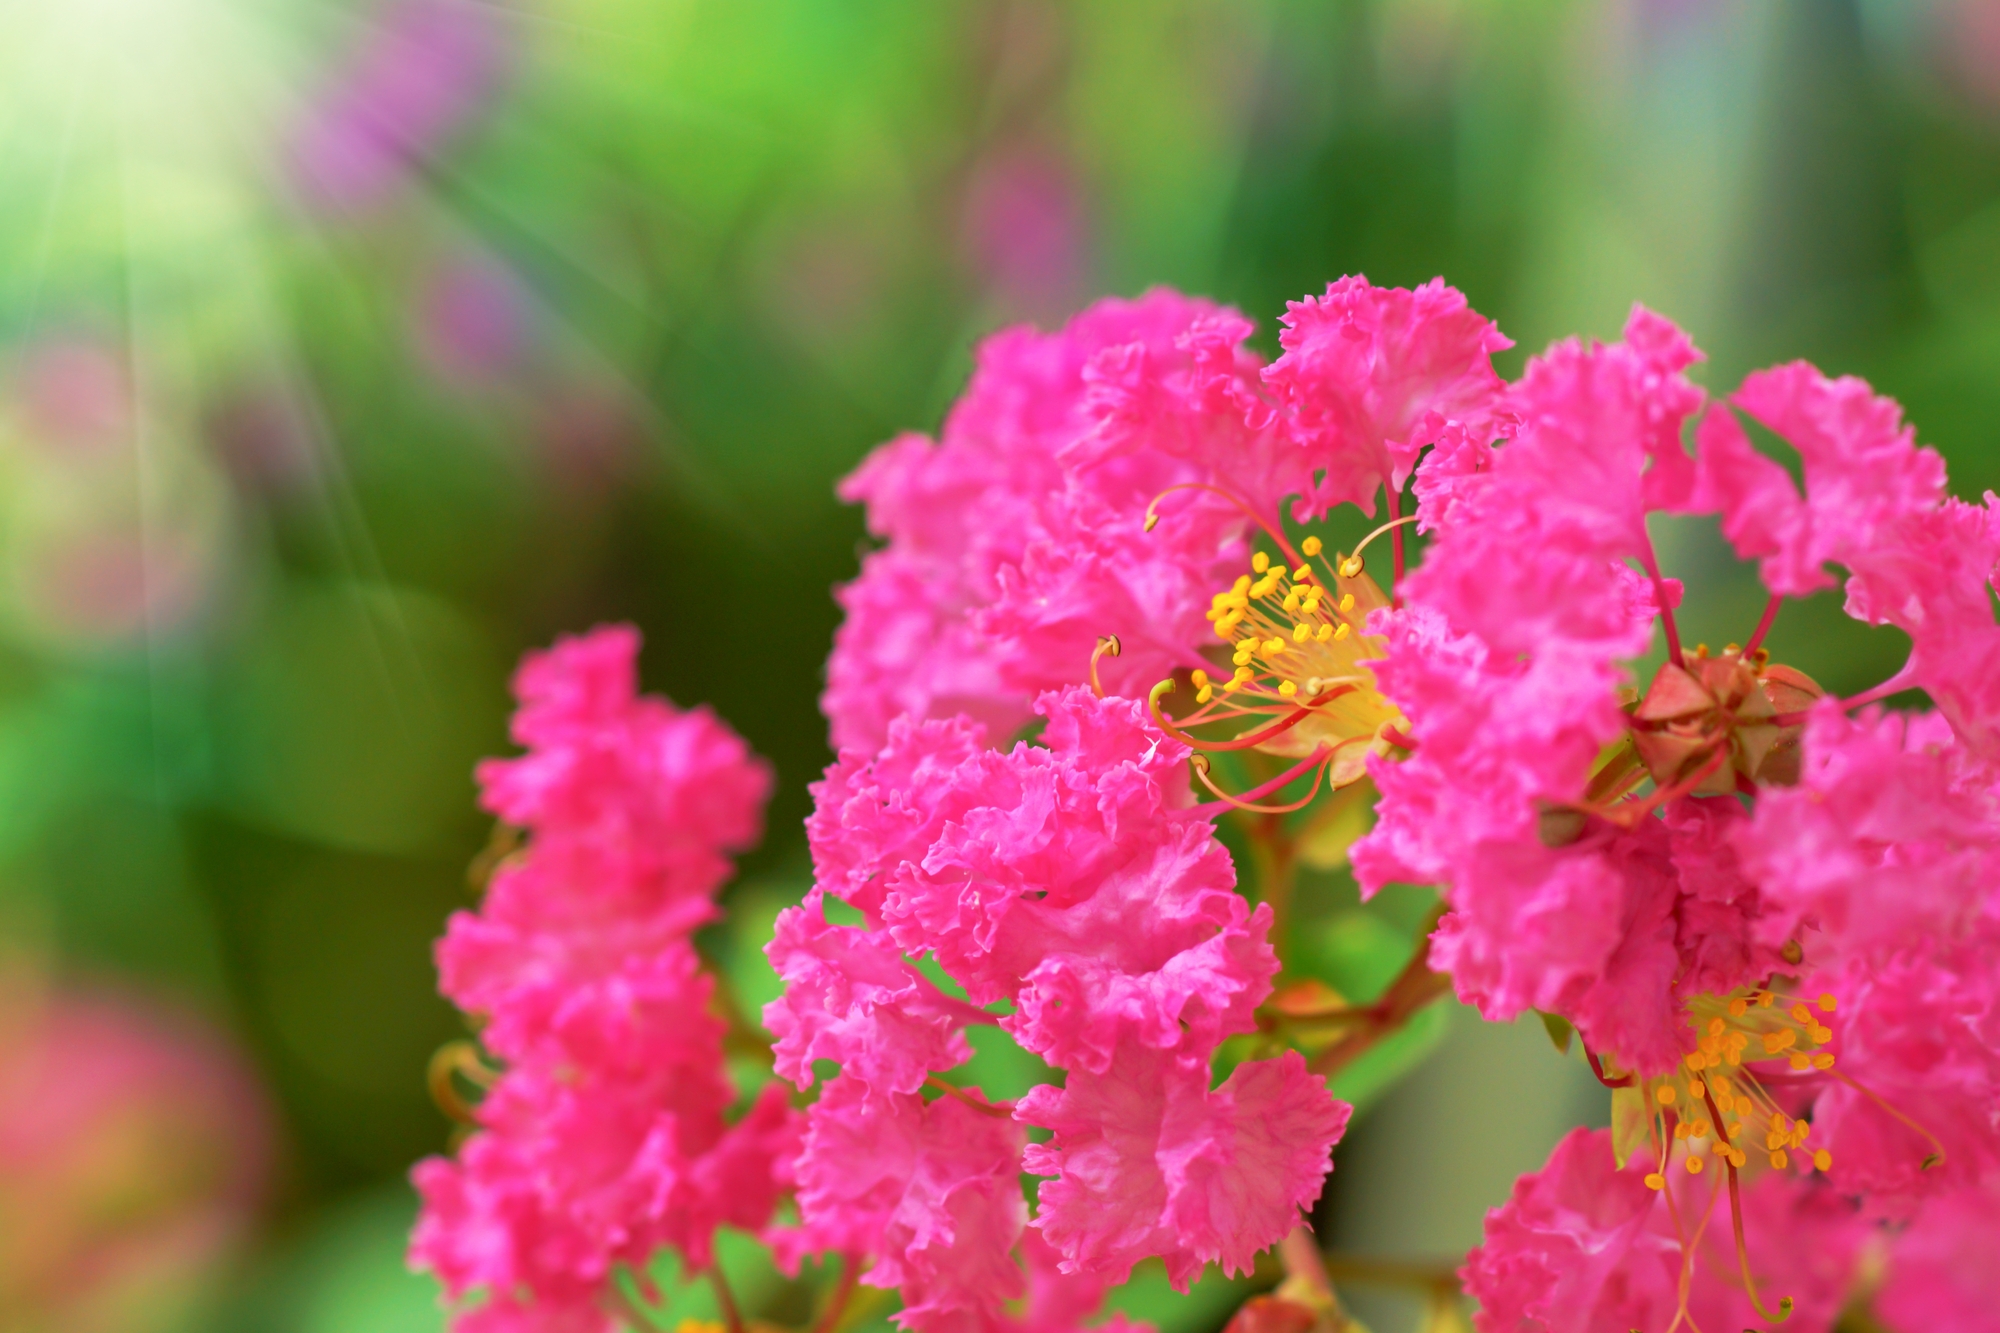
1559,1030
1631,1124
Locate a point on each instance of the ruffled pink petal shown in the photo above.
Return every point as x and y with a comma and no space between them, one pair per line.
1863,470
851,997
1944,1268
1370,375
932,1189
1889,842
1148,1161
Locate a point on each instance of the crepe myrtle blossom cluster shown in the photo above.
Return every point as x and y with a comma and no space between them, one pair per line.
1766,914
1075,883
605,1134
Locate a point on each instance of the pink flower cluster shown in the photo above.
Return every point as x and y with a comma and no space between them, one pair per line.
1846,852
606,1137
1072,884
1768,913
1857,855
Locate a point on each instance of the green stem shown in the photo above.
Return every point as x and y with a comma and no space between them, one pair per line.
1275,854
843,1293
1414,988
725,1300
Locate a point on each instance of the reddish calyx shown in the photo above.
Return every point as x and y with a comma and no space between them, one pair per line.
1745,705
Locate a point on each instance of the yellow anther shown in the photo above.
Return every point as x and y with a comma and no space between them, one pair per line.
1696,1060
1292,600
1720,1084
1823,1160
1199,677
1778,1159
1302,573
1734,1055
1267,585
1287,688
1694,1164
1152,521
1346,602
1800,1061
1820,1035
1244,673
1738,1007
1681,1130
1774,1139
1826,1003
1824,1060
1766,999
1231,686
1664,1094
1344,630
1274,644
1311,546
1311,604
1695,1088
1260,562
1778,1041
1716,1027
1323,633
1301,632
1350,566
1703,1130
1204,694
1801,1014
1241,587
1655,1181
1242,657
1801,1128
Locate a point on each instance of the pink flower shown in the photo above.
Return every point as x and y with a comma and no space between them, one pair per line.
853,998
1916,1109
1942,1269
1371,375
1583,1247
606,1138
1019,540
930,1189
1147,1161
424,71
135,1154
1073,881
1889,842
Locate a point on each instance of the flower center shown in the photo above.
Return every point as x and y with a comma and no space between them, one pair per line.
1717,1101
1300,675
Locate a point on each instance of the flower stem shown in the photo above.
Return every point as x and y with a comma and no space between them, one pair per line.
1764,625
725,1299
1275,853
843,1293
1414,988
1660,597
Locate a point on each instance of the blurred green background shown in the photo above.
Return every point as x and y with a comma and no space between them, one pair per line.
348,350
